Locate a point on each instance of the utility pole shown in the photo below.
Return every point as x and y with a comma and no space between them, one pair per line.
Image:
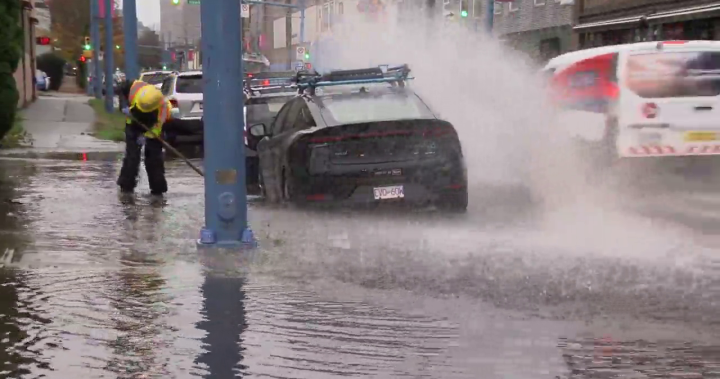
226,224
108,56
95,38
132,71
490,16
288,35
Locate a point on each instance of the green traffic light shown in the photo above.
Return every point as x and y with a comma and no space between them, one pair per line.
463,13
307,55
176,2
117,47
87,47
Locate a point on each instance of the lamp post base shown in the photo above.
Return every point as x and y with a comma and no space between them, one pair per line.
208,240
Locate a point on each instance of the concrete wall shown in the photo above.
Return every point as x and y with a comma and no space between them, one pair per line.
26,69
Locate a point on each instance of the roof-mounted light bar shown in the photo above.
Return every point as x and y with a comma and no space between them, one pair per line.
381,74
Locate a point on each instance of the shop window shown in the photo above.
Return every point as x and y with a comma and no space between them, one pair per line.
549,48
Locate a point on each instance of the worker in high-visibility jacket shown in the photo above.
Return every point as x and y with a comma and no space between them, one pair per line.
147,105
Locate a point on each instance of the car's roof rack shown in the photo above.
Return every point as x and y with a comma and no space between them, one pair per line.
271,84
382,74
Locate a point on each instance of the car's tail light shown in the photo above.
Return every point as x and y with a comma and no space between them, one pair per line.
266,82
650,110
174,103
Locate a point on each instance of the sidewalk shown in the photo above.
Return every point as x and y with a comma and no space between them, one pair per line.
61,123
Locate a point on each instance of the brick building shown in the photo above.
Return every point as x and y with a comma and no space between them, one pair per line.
610,22
542,28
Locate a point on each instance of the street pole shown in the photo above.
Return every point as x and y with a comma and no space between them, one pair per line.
302,21
108,56
95,40
226,224
490,16
132,71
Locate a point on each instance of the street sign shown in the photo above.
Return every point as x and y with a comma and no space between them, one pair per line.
300,53
245,10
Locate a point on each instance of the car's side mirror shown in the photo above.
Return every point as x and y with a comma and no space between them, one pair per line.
258,130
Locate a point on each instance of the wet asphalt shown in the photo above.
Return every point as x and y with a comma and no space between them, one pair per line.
98,286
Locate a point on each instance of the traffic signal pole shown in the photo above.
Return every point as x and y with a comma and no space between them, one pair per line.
108,56
132,71
226,224
95,40
490,16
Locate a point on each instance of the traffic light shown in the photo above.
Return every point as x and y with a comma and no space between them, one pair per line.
117,47
307,54
176,2
42,41
463,8
87,45
82,59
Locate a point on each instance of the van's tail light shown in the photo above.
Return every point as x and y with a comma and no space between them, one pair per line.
174,103
650,110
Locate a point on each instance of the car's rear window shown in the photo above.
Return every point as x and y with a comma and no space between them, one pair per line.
674,74
154,78
264,111
189,84
369,108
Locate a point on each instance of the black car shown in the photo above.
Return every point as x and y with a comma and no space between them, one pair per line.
263,99
360,137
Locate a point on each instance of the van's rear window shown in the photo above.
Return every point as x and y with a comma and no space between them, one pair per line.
674,74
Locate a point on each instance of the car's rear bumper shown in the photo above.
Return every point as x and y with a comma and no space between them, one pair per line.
420,184
664,142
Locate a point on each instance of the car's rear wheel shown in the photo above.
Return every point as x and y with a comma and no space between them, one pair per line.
454,202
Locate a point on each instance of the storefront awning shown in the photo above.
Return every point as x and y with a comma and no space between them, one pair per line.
691,12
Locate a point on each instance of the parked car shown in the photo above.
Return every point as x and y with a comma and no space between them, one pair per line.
360,137
155,78
185,93
42,80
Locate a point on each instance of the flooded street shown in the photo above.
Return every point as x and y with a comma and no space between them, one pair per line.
96,286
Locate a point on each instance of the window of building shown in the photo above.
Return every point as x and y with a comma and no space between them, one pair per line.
477,8
498,7
513,6
341,8
539,3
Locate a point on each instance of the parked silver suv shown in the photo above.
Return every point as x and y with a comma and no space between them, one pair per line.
185,92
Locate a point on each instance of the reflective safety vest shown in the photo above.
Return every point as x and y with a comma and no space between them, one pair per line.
163,114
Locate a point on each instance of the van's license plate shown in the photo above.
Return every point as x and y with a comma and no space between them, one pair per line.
390,192
700,136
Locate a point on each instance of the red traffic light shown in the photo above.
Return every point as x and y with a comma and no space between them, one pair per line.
82,59
42,40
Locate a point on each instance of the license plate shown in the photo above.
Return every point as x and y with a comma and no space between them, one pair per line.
700,136
390,192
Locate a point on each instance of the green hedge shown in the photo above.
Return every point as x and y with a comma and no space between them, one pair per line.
54,67
10,52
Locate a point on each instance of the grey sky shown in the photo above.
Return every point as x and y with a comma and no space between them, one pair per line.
148,12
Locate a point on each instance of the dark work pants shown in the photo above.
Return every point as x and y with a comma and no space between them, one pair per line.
154,164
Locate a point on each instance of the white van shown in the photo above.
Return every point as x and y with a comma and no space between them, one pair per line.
655,98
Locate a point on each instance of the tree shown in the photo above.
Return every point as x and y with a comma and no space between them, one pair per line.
71,24
149,49
10,52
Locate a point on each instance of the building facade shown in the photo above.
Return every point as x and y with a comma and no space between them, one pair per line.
179,24
541,28
25,73
611,22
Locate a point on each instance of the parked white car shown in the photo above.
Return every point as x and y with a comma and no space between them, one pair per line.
42,80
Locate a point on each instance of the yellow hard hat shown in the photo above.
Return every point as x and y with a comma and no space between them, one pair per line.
148,99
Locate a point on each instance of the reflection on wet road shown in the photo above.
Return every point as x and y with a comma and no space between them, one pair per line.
98,286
